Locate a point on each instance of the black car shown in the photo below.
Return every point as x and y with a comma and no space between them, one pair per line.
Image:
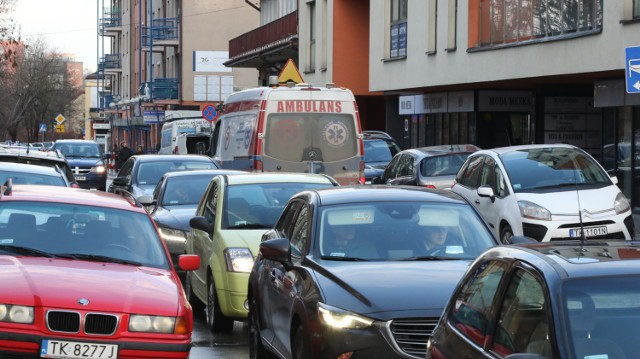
430,167
378,151
566,299
140,174
86,160
360,271
174,202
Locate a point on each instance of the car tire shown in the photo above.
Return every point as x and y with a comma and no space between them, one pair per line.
217,322
196,303
256,349
505,234
300,348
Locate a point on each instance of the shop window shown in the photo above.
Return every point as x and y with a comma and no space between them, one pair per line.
503,22
398,30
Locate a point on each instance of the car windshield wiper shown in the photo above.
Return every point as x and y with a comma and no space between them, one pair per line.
346,259
97,258
250,226
559,185
430,258
26,251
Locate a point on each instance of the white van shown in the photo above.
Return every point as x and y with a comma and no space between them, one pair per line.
185,132
297,128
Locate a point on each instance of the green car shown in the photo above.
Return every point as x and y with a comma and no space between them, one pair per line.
231,217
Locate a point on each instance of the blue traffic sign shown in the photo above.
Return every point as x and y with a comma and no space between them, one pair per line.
632,69
209,113
43,127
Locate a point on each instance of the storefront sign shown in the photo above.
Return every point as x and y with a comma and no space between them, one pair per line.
571,138
153,117
431,103
504,101
566,122
460,101
406,105
101,126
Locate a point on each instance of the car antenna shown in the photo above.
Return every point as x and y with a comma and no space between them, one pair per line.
575,183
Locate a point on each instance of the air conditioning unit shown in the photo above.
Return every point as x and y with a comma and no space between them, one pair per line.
102,115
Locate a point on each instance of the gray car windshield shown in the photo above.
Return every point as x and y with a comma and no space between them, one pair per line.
185,190
603,313
552,168
32,178
387,231
80,232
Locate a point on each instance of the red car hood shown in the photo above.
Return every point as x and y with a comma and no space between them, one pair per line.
109,287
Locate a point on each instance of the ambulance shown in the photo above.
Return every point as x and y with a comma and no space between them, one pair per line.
293,128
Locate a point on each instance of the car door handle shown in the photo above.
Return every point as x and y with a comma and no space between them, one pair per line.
274,275
477,201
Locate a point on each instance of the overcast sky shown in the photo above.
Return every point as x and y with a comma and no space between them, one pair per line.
67,26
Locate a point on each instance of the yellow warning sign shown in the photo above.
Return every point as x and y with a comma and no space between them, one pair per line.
289,73
60,128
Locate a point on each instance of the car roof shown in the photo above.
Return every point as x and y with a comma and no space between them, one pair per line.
169,158
381,193
501,150
211,172
270,177
575,259
39,193
75,141
29,168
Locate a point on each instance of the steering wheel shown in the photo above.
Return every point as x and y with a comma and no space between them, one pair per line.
436,251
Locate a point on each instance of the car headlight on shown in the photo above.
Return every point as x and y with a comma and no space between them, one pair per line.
100,169
342,319
238,259
153,324
621,204
533,211
16,314
172,235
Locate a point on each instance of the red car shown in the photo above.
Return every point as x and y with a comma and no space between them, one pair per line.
86,275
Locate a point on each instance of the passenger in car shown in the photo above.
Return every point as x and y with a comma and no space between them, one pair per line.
345,242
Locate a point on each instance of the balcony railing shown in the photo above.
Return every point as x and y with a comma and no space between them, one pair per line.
281,29
162,88
160,30
111,19
111,61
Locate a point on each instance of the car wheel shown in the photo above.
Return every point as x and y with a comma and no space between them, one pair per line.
505,234
300,348
196,304
217,322
256,349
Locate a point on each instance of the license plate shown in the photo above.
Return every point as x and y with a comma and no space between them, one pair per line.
64,349
81,178
588,232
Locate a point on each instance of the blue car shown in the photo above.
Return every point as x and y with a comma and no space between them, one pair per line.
86,160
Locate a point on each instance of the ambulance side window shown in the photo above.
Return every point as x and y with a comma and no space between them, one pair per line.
213,146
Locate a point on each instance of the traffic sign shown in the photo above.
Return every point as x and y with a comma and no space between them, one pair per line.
59,128
210,113
290,73
60,119
43,127
632,65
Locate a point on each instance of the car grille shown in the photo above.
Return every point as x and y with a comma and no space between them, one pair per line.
71,322
411,335
81,171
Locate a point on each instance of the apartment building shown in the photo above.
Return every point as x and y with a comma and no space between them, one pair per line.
162,55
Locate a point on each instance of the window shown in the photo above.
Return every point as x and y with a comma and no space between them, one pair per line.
311,65
431,26
523,326
300,234
472,310
512,21
398,31
451,23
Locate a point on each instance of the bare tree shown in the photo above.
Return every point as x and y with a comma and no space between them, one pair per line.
6,23
39,89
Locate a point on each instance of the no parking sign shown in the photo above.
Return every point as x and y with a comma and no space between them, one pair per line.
210,113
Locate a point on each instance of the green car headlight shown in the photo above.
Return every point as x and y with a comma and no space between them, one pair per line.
238,259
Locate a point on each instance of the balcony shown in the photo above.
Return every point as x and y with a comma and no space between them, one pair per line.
107,99
110,63
162,32
110,24
276,41
162,88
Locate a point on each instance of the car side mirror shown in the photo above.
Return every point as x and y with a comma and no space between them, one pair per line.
146,200
277,249
486,191
188,262
120,181
376,180
614,179
201,223
521,240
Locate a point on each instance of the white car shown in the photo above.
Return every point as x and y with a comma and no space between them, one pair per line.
546,192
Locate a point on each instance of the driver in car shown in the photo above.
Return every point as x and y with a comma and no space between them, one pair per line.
434,236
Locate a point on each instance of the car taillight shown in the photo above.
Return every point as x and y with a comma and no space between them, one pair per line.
361,178
430,186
